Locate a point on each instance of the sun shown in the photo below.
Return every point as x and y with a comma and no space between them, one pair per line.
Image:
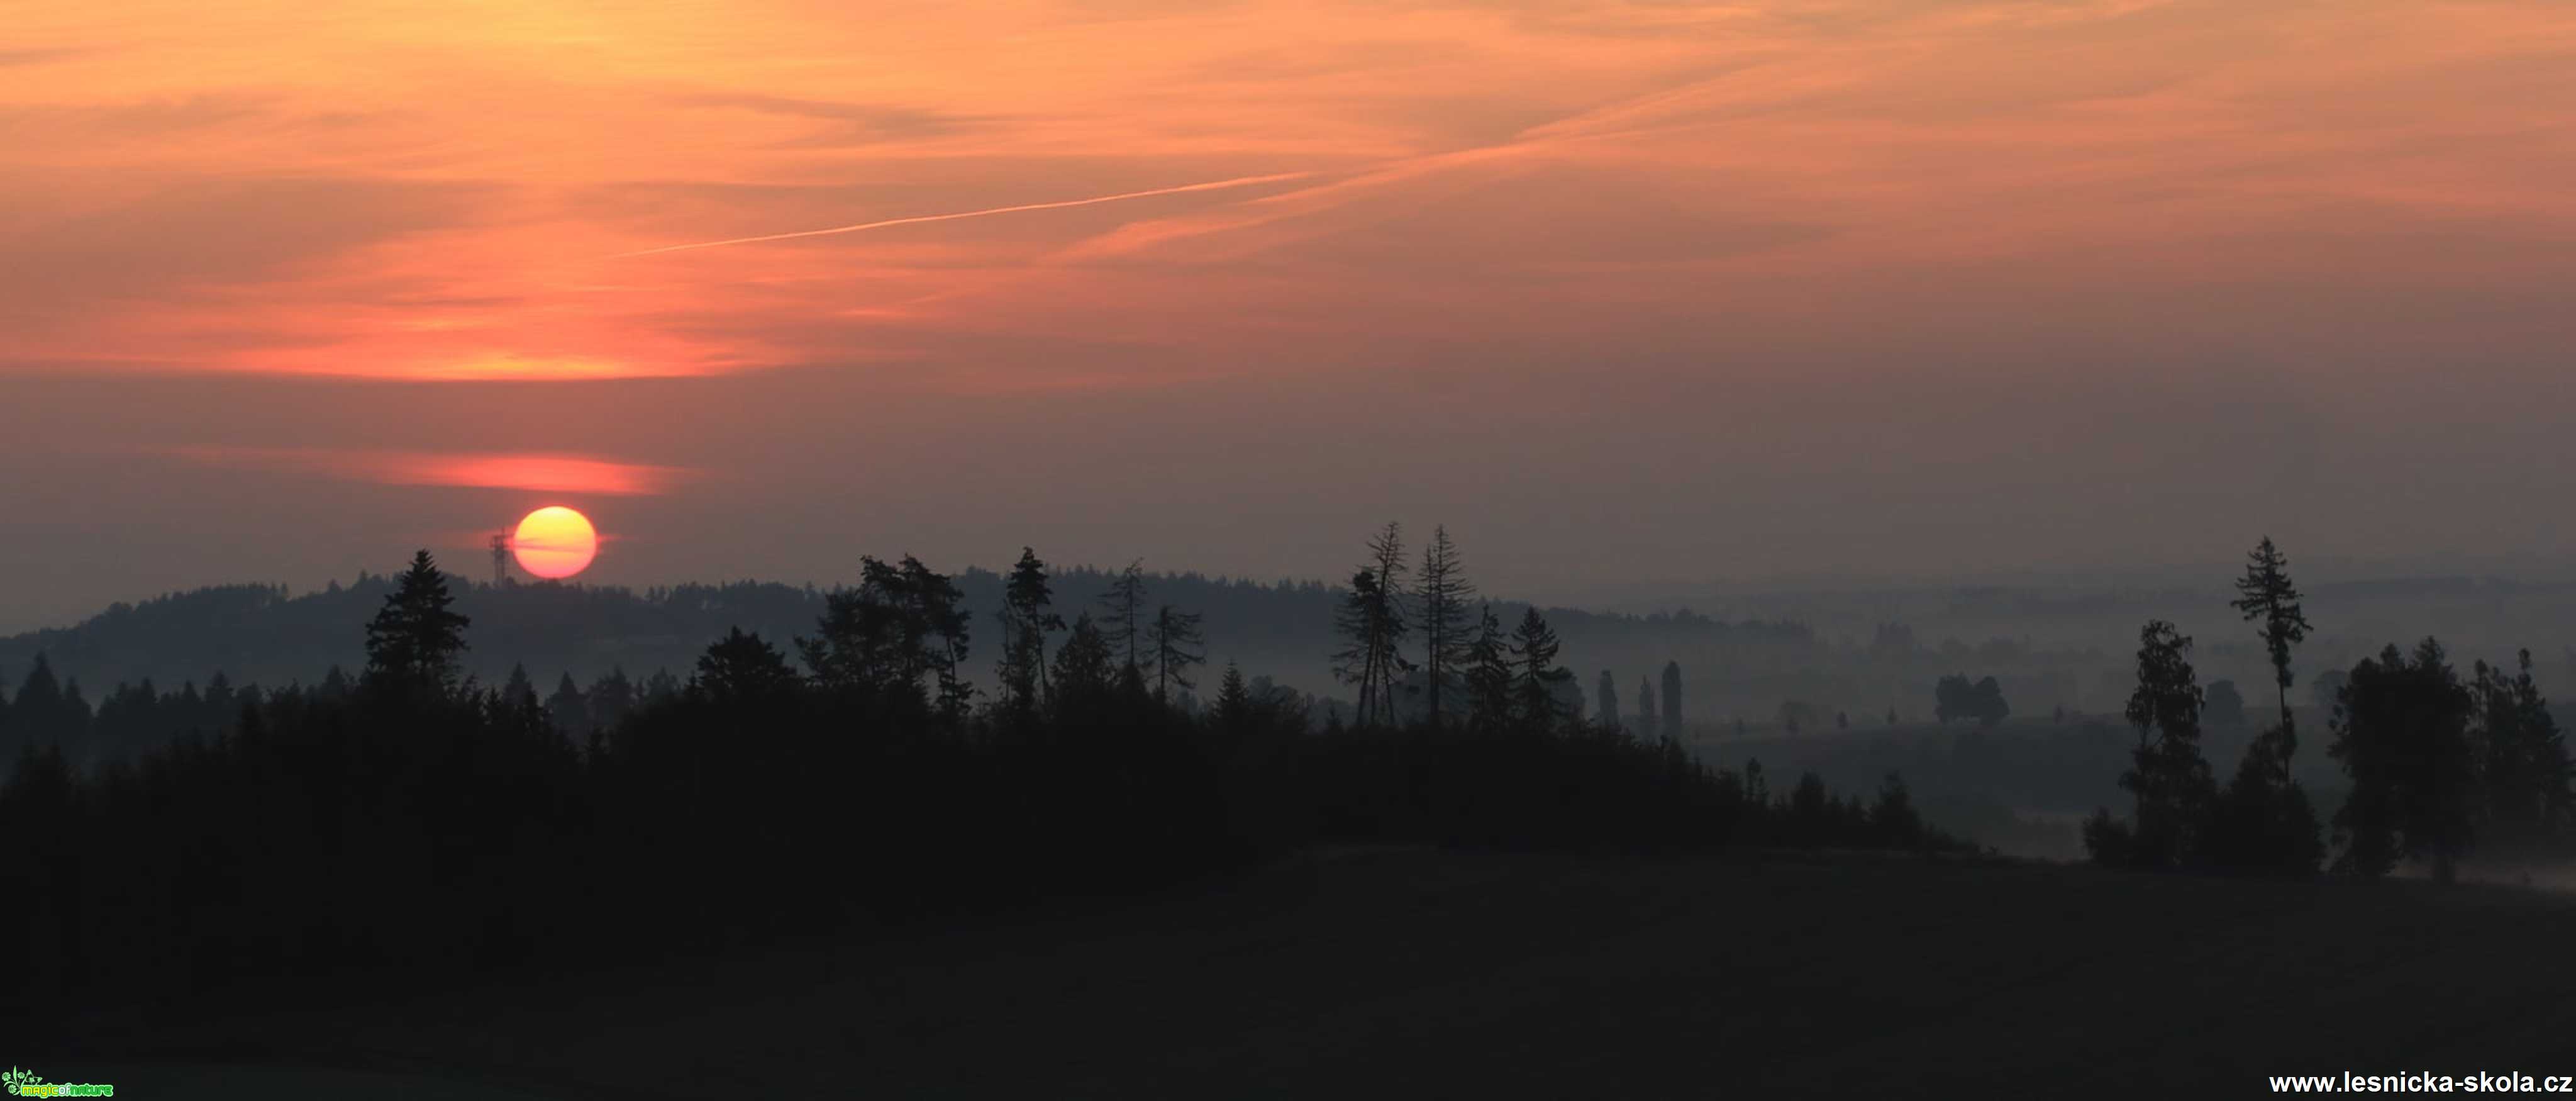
555,542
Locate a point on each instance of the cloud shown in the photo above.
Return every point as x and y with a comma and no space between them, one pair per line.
1061,204
40,56
545,472
180,236
850,123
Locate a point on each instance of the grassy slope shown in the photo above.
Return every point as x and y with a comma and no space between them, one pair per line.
1431,974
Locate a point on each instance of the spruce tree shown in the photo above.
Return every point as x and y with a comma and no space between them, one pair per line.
568,708
1536,645
519,693
2167,774
1174,633
414,641
1234,700
1440,595
1086,668
1372,622
1123,616
1606,708
611,697
1028,616
1489,675
741,669
2264,821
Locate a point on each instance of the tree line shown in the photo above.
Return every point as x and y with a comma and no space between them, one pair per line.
2439,764
413,821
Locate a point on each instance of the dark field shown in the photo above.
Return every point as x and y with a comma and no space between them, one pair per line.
1395,972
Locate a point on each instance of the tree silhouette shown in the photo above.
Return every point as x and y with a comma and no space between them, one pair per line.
942,613
899,638
1956,697
661,687
2402,734
741,669
2523,766
611,698
1123,615
1648,727
567,708
2264,821
1489,674
1535,644
1174,632
1233,700
1606,708
1086,668
1372,624
1440,597
2265,593
413,643
2167,774
1028,616
1672,701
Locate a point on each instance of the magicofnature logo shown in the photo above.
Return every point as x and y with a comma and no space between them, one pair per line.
25,1083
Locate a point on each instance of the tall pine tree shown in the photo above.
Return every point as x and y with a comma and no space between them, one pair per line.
414,641
1440,595
1174,633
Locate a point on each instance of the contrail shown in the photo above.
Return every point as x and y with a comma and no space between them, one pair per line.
1245,181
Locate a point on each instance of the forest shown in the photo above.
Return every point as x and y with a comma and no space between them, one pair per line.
412,819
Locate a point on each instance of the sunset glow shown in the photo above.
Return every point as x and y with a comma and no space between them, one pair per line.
559,473
512,191
555,542
1002,272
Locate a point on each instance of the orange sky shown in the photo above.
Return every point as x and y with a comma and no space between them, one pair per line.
1763,200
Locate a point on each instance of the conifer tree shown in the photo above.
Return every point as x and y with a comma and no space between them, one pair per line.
1028,616
2266,593
1123,619
900,636
2263,821
1489,674
740,668
519,693
1373,624
1440,595
1606,708
1233,700
567,708
1086,669
1174,633
611,697
1535,644
661,687
2167,774
2523,767
941,613
2402,733
413,642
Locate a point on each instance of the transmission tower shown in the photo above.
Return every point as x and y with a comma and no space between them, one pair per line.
500,558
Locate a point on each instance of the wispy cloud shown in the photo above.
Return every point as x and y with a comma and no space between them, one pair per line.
543,472
403,193
1215,185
